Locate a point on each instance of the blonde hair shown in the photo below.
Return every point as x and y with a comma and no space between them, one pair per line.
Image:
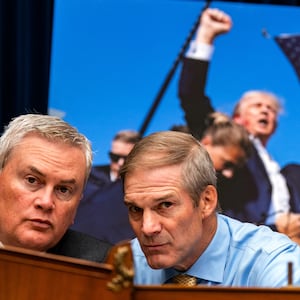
223,131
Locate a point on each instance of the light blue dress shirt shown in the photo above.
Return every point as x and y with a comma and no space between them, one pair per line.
240,254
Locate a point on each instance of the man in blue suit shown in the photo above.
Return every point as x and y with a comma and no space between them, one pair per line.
101,212
258,192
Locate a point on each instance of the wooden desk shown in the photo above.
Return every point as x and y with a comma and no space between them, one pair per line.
32,275
213,293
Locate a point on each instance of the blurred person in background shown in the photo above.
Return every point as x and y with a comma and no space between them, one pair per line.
258,192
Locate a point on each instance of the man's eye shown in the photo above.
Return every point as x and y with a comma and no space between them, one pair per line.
31,179
165,204
63,189
134,209
32,183
64,193
229,165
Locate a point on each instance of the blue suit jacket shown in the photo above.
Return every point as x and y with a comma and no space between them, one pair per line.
291,172
102,212
246,196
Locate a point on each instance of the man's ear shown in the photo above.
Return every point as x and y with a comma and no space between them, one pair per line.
208,202
206,140
237,119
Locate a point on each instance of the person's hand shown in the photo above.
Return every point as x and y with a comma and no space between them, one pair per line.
213,22
289,224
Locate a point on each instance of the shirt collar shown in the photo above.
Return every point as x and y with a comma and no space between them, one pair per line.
213,258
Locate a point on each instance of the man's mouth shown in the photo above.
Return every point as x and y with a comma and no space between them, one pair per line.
40,223
154,247
263,122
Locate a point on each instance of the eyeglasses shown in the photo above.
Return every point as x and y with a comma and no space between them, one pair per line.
116,157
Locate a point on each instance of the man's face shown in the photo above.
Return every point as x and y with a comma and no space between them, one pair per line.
40,189
119,151
167,224
258,115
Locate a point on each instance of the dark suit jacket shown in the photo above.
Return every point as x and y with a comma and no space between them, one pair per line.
80,245
102,212
291,172
246,196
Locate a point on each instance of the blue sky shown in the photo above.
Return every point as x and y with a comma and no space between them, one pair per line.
110,58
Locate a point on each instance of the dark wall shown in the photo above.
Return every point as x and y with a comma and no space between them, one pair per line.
25,50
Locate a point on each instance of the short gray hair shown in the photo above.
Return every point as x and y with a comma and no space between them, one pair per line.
51,128
258,93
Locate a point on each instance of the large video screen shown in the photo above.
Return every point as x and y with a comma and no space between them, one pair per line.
111,58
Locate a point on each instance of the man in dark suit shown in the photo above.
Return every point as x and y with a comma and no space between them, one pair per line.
101,212
121,145
258,192
80,245
45,164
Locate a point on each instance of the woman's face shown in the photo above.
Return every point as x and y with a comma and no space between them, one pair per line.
226,158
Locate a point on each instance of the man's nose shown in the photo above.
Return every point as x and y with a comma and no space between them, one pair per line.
151,224
45,200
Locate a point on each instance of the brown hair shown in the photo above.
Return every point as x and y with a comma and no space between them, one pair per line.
224,131
168,148
127,136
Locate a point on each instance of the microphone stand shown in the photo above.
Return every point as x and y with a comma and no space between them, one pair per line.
171,73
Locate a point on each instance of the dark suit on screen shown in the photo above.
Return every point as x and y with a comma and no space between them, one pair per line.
246,196
102,212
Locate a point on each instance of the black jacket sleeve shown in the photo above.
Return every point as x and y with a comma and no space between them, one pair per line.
195,104
80,245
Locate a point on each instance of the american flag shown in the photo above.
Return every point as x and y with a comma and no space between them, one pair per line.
290,45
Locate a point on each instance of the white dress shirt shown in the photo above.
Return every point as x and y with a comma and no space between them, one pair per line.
280,193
